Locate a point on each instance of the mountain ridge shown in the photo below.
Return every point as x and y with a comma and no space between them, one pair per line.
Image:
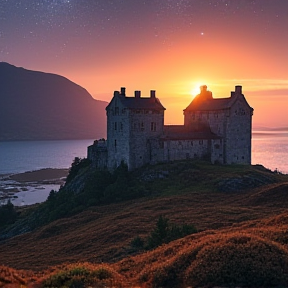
37,105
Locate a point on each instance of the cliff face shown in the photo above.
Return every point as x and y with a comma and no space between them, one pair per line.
42,106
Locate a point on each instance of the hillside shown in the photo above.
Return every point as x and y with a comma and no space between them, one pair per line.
43,106
240,210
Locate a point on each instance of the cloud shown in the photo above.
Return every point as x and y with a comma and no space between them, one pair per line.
268,92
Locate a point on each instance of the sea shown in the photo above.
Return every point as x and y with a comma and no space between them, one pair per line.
269,149
23,156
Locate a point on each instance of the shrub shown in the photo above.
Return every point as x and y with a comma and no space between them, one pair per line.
82,275
242,261
8,214
165,232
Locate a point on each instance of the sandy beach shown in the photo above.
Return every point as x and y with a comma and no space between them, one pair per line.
32,186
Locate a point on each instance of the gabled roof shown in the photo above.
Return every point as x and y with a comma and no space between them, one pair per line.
141,103
205,102
211,104
147,103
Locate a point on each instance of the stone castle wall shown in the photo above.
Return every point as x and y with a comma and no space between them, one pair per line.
136,136
145,125
238,134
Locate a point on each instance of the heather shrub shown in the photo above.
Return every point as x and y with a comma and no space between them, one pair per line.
240,260
83,275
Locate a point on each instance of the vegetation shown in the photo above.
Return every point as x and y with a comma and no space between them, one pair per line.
87,187
82,275
240,213
8,214
164,232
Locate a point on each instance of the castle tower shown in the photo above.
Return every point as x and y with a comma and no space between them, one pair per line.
229,118
131,122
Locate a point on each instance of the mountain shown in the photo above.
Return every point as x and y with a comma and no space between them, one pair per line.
43,106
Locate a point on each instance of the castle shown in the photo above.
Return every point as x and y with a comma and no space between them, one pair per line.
216,129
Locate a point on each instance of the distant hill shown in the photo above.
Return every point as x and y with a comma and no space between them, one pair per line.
43,106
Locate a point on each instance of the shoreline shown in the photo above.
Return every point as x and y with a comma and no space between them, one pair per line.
52,175
31,187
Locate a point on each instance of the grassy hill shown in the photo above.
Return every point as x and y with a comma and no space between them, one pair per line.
239,211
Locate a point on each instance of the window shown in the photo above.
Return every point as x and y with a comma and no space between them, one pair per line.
153,126
116,110
121,126
115,144
191,143
115,126
201,142
142,126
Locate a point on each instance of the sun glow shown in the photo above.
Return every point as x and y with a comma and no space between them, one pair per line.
196,88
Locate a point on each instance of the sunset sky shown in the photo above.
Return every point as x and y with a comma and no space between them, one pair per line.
171,46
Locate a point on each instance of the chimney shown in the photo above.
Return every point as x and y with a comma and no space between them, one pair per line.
153,94
116,93
238,89
123,91
203,88
137,94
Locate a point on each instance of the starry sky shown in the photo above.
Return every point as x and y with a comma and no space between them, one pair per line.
171,46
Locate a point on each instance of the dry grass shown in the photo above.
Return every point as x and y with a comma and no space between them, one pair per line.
243,241
104,233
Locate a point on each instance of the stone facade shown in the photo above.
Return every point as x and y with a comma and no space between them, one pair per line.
218,129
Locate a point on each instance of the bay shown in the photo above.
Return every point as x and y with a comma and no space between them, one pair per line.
22,156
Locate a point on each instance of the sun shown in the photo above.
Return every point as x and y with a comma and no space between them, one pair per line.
195,90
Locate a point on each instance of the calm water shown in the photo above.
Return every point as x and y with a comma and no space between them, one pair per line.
270,150
22,156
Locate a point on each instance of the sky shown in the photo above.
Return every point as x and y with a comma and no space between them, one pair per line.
171,46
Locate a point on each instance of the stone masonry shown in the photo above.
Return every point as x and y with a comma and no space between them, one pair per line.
216,129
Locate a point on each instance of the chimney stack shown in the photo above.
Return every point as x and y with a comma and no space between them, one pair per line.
123,89
203,88
238,89
137,94
153,94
